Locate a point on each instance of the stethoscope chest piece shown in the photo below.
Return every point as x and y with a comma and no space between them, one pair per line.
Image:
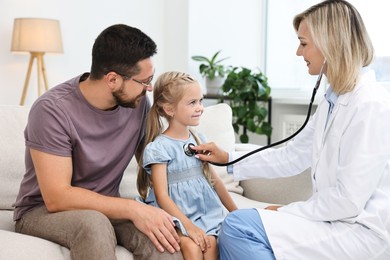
188,150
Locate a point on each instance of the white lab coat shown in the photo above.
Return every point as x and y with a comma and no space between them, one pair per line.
348,215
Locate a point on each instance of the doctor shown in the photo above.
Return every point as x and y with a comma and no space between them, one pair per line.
347,146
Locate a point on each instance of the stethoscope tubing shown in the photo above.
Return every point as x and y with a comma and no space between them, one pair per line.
287,138
273,144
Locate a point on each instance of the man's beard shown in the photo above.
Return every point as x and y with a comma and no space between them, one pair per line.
133,103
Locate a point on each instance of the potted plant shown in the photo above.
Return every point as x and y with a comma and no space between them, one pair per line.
213,71
248,93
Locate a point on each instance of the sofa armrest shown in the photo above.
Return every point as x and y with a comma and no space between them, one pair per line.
238,147
276,191
280,190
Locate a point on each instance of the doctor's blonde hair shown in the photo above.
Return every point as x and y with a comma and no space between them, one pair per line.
339,33
168,90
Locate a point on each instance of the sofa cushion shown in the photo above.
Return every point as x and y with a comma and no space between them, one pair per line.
280,190
19,246
13,120
6,220
216,126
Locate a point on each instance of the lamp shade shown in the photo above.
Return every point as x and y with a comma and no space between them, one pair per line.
36,35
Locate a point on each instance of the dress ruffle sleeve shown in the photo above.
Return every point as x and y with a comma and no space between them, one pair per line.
155,152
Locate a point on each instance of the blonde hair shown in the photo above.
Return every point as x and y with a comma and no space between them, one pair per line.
339,33
168,90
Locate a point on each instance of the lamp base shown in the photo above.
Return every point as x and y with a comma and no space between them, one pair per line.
41,74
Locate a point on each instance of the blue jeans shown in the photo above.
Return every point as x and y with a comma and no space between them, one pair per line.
243,237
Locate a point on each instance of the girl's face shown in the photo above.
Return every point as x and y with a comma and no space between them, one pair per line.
312,56
189,109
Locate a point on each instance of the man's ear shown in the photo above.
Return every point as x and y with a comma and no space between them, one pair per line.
112,80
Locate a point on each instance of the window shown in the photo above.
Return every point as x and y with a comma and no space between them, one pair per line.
285,70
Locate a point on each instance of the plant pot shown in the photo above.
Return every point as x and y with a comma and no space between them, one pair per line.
214,86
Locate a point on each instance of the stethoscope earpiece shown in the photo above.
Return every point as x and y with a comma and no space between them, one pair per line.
188,150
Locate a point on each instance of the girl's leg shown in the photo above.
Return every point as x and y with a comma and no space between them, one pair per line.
243,237
189,249
212,252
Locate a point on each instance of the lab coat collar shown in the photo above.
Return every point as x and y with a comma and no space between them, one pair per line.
367,75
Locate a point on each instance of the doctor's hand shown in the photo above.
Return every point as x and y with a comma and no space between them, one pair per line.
210,152
272,207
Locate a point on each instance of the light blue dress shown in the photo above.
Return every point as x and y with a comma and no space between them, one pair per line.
187,186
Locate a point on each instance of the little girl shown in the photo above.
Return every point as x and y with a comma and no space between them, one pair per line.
180,184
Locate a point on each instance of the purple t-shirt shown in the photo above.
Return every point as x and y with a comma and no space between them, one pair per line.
101,143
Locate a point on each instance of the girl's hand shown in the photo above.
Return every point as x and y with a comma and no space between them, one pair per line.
199,237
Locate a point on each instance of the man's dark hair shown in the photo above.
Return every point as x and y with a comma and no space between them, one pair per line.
119,48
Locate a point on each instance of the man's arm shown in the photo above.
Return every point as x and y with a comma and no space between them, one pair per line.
59,195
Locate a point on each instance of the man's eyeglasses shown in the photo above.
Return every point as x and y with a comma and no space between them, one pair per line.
146,84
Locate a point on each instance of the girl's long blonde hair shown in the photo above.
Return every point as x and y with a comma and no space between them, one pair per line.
339,33
168,90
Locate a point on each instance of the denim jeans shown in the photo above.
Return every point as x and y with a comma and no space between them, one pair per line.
89,234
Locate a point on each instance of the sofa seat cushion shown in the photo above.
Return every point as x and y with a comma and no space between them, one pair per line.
6,220
21,246
245,203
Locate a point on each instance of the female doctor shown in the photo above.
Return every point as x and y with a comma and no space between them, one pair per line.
347,146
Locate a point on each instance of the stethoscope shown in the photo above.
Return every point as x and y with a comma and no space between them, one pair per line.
191,152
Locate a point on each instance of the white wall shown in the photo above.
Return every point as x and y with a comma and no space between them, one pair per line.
181,28
81,22
233,26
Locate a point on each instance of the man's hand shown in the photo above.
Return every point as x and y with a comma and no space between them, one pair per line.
158,226
210,152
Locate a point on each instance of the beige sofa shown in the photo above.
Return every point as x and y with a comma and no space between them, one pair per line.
215,125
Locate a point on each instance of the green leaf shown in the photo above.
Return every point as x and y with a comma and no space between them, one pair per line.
200,58
266,128
244,138
236,128
211,67
247,91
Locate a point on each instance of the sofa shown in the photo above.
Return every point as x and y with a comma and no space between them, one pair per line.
215,125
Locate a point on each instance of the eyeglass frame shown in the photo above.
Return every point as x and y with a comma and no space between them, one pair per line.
144,84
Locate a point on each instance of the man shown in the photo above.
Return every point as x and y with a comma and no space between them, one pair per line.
80,137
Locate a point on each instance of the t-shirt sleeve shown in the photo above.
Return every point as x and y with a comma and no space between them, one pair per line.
154,152
48,130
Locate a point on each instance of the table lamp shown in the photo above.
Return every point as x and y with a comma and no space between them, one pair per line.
37,36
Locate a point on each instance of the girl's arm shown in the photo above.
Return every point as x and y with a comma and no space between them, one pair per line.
160,185
222,192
